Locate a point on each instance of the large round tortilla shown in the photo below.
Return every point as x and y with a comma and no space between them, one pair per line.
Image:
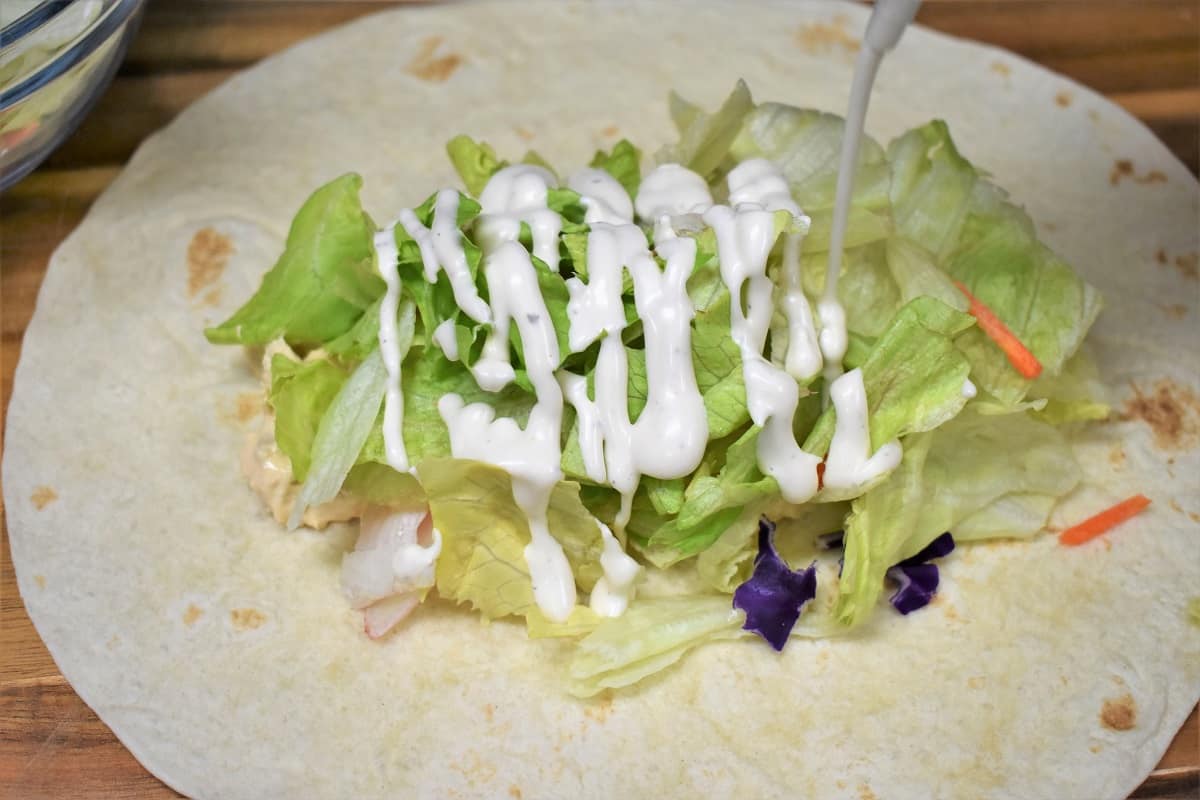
219,648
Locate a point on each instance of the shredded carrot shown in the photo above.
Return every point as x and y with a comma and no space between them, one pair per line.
1104,521
1018,354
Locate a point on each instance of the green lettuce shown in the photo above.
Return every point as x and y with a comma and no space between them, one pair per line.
978,237
322,283
977,476
913,377
348,421
880,531
806,145
649,637
623,162
300,394
484,535
475,162
994,476
705,139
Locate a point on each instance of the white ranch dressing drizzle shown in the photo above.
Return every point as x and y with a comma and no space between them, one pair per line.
615,589
969,390
444,337
386,257
603,196
669,437
744,241
671,190
531,456
513,196
888,21
758,182
850,463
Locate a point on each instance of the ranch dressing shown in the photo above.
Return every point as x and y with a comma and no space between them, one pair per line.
670,434
888,21
531,456
744,241
386,258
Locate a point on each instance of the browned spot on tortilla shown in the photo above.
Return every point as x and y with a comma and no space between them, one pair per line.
428,68
489,711
1096,748
1000,68
820,37
1174,310
1093,115
841,784
976,681
207,255
1107,544
40,580
1188,265
246,619
212,297
1193,516
524,133
1050,226
1160,256
43,496
1174,504
951,613
600,709
249,404
865,793
610,131
192,614
1123,168
1119,714
1116,456
514,791
1063,99
1172,412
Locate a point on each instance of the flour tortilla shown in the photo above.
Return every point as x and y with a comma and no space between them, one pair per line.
219,648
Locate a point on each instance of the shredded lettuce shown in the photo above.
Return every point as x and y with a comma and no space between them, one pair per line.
322,283
914,376
649,637
941,202
484,535
301,392
347,423
623,162
705,139
474,161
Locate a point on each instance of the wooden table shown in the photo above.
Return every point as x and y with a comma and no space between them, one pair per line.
1143,54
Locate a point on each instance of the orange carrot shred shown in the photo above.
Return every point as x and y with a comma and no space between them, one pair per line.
1104,521
1018,354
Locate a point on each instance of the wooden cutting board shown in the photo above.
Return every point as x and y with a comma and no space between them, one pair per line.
1143,55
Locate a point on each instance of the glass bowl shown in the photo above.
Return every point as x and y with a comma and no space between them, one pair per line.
56,58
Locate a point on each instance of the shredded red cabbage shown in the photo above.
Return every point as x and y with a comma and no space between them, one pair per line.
918,579
939,547
774,594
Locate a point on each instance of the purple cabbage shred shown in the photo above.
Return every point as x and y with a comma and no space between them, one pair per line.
918,579
774,594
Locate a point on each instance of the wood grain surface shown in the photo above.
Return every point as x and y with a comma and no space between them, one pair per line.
1142,54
